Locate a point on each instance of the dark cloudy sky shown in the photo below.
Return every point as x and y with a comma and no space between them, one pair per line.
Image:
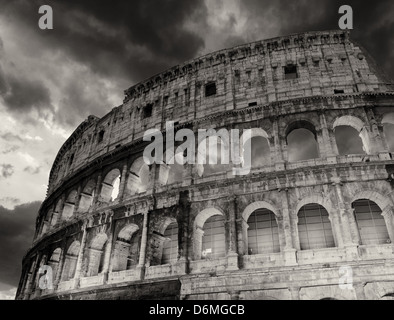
51,80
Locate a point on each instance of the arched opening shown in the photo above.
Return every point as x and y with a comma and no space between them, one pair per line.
370,222
69,205
172,172
56,212
351,136
216,154
213,239
170,246
70,262
263,234
95,257
87,196
110,186
54,260
259,150
348,141
301,140
314,228
138,180
388,129
127,248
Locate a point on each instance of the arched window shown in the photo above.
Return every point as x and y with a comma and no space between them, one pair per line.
110,186
213,240
216,154
70,262
95,258
302,141
87,196
370,222
351,135
263,232
138,180
258,148
54,262
170,247
127,248
348,141
68,209
314,228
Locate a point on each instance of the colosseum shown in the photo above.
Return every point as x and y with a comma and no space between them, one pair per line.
312,220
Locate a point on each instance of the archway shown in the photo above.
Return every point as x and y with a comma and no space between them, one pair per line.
301,140
314,227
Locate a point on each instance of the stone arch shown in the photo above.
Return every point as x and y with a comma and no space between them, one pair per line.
87,195
252,208
255,153
311,148
69,205
54,261
314,198
383,203
160,241
198,229
171,243
357,124
314,234
94,261
70,262
220,144
110,186
259,205
57,210
126,248
171,173
139,176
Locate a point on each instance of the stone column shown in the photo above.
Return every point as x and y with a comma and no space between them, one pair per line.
327,143
279,157
78,199
31,279
78,268
289,251
108,250
144,244
97,192
197,243
344,214
123,181
61,264
232,256
388,218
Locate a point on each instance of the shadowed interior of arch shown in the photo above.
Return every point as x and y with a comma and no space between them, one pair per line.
260,151
348,141
214,147
263,234
302,145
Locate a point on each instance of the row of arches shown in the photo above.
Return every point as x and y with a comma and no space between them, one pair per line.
262,229
351,137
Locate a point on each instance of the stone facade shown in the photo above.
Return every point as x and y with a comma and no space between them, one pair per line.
105,247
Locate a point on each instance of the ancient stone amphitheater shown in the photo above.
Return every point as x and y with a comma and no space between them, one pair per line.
312,220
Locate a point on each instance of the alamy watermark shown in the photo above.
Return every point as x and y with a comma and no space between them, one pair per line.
233,147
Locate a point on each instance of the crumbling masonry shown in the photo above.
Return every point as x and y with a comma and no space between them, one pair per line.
112,227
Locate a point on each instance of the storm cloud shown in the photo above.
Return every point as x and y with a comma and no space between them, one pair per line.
16,235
